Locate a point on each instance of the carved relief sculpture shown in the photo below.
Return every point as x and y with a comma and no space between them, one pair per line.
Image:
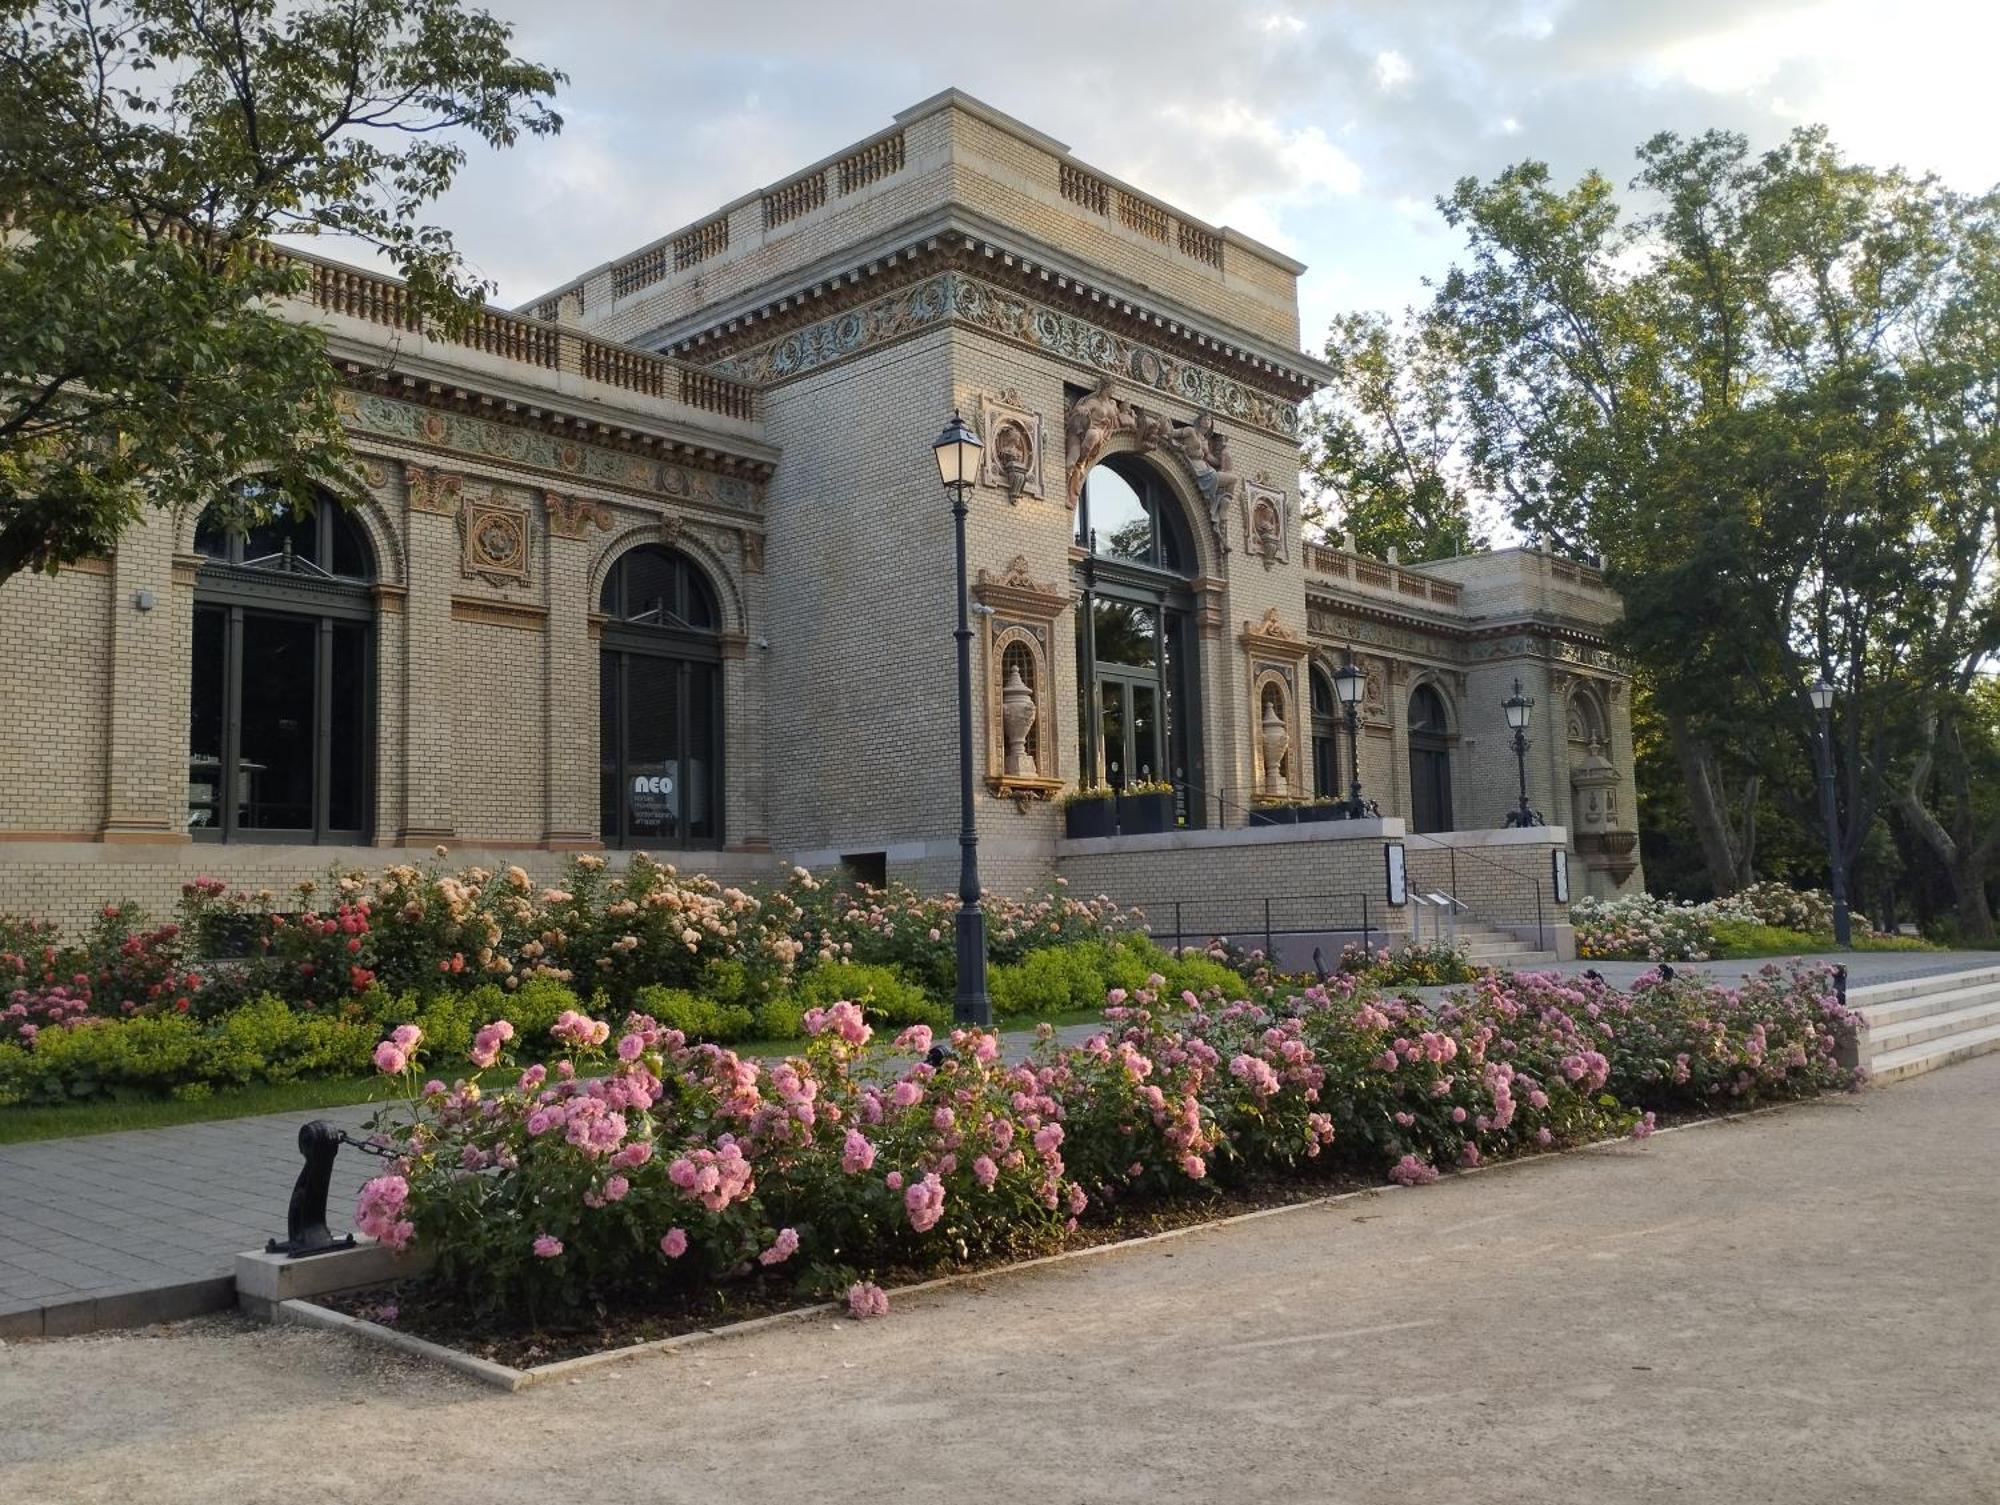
1098,417
495,537
1266,515
1277,744
433,491
1013,456
571,517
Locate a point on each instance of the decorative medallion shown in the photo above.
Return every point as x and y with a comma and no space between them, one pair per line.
1267,522
496,541
1012,459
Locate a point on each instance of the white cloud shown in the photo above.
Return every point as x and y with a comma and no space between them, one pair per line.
1392,70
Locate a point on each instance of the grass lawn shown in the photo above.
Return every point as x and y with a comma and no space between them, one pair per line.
1738,942
70,1120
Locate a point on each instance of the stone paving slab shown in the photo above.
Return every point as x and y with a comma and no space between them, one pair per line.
110,1215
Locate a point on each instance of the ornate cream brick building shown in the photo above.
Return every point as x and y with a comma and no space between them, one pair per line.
661,562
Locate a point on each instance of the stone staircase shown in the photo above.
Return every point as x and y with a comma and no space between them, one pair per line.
1922,1023
1486,946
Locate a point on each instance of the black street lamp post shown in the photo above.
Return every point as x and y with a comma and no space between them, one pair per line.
957,450
1821,695
1349,684
1519,708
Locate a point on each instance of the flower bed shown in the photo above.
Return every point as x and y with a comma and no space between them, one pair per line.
311,978
642,1169
1765,917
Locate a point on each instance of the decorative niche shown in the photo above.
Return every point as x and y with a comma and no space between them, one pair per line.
1012,459
1022,740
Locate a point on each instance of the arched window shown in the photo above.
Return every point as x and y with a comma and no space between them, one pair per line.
659,703
282,683
1430,762
1325,736
1138,675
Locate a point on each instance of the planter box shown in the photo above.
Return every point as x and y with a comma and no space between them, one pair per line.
1318,812
1145,814
1085,818
1274,815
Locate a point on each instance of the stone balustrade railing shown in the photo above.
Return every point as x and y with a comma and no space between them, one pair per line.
1380,574
1155,221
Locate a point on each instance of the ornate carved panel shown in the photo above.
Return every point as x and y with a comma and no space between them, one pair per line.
1274,657
1012,459
1022,739
1267,522
571,517
495,535
434,491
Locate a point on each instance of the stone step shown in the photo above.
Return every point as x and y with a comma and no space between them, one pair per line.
1516,961
1925,1005
1914,1060
1936,1026
1879,993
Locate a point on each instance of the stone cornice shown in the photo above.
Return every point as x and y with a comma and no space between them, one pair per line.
551,458
1457,632
951,297
546,417
996,255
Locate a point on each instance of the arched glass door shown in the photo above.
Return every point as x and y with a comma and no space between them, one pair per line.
659,704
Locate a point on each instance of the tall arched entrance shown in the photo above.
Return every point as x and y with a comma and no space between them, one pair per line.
1137,651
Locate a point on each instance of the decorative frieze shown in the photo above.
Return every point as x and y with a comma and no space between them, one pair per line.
518,444
954,296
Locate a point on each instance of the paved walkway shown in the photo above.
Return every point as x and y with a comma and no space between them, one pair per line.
108,1216
1795,1307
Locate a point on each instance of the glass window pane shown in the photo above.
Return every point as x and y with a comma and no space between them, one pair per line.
274,769
265,541
1121,525
652,750
608,803
348,756
701,763
1145,737
1111,733
1127,634
650,592
205,719
352,558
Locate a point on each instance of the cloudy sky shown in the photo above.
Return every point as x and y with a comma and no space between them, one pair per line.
1327,130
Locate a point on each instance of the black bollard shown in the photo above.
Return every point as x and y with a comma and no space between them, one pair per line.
305,1219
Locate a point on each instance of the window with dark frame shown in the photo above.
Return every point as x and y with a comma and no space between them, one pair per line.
282,673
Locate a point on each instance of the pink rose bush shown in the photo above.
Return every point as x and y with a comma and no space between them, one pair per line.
631,1171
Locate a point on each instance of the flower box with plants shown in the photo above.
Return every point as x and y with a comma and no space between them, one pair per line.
1089,812
1145,808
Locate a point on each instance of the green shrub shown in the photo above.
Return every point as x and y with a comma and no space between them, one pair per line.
885,996
1056,980
696,1017
1135,958
262,1041
1748,938
780,1019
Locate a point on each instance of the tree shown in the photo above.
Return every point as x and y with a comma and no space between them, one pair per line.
149,149
1386,446
1763,401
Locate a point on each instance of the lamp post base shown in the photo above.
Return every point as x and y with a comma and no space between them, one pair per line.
971,1009
1522,818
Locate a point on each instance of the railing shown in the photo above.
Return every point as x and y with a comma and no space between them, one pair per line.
1524,891
1084,188
1135,213
700,243
549,347
1201,245
800,196
877,160
635,273
1322,559
1280,917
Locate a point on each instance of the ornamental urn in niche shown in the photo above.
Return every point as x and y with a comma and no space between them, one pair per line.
1277,742
1017,718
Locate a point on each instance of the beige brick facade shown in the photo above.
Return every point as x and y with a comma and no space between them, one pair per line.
812,338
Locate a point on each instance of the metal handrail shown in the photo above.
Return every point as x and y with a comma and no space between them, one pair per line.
1267,921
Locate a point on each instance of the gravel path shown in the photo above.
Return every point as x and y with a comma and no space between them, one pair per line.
1796,1306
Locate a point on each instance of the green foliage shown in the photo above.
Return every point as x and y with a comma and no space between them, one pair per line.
1385,448
264,1040
148,150
885,996
696,1017
1052,981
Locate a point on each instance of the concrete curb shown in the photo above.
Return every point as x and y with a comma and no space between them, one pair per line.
128,1306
